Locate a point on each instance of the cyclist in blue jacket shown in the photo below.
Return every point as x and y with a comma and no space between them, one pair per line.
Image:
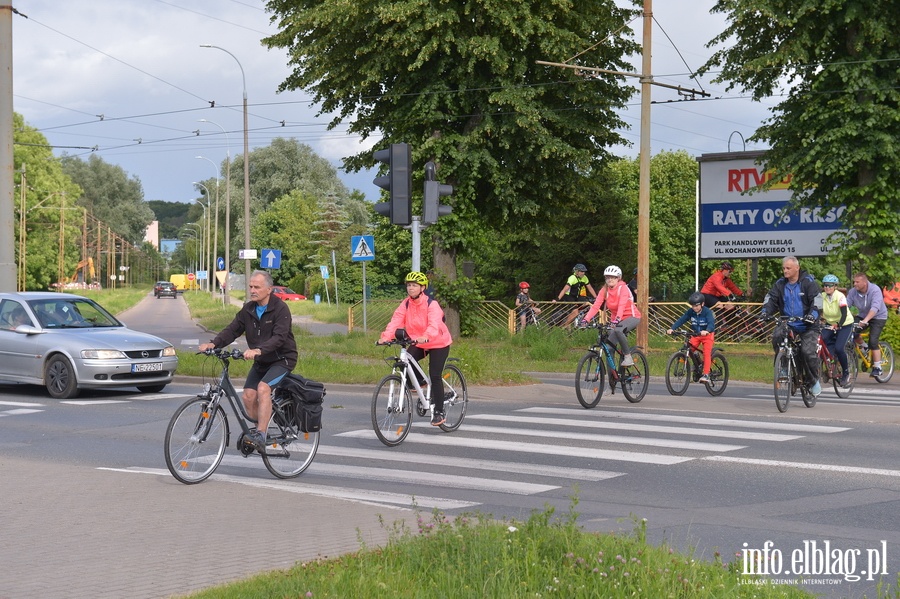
796,294
703,323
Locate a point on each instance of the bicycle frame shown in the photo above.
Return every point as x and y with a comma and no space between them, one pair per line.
402,366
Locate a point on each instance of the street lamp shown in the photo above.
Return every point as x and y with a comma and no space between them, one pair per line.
227,209
204,250
207,215
246,171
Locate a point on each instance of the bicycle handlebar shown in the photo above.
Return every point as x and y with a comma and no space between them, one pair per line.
404,343
223,354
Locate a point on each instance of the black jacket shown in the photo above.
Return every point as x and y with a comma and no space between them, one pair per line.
272,333
809,293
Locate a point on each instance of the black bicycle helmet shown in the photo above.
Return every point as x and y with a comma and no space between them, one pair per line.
727,266
580,267
696,298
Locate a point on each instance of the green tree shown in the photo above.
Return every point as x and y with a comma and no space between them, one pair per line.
836,130
110,195
458,80
47,191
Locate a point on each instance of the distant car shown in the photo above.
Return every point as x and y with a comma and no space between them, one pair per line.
287,294
68,343
166,289
157,287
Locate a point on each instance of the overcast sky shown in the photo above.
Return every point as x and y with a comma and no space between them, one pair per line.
128,80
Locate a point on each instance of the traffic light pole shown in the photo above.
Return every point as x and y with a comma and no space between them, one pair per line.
416,228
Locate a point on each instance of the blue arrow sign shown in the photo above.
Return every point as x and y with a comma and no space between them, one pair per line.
271,259
362,247
220,263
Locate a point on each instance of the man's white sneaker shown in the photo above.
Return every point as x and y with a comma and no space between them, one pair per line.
627,360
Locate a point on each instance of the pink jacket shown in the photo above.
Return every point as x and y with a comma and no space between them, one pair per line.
421,317
619,302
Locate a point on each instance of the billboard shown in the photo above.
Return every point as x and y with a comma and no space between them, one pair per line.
738,224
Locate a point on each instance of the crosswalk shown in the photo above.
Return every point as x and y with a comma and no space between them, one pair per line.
19,408
527,452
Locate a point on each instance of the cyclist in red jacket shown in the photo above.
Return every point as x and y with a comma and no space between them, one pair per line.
720,288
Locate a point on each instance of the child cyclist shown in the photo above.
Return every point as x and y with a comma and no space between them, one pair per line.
703,323
423,320
525,305
623,312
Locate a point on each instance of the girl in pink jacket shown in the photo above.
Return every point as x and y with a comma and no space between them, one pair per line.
423,320
623,312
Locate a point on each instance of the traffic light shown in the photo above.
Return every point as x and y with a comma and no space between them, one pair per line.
434,191
398,182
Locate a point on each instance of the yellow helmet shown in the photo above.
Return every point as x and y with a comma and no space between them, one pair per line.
417,277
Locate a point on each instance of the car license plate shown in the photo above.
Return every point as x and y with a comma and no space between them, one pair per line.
153,366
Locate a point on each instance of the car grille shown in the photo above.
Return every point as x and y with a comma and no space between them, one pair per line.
143,354
130,376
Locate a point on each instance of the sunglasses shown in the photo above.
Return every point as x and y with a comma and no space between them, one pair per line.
829,285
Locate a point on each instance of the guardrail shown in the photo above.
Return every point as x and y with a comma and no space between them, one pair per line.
737,324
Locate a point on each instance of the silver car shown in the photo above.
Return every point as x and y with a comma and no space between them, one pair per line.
67,343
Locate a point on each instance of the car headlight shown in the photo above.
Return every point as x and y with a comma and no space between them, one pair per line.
168,352
103,354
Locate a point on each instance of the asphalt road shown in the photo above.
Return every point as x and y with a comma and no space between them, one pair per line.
726,475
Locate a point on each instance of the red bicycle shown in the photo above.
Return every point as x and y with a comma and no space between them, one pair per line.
830,369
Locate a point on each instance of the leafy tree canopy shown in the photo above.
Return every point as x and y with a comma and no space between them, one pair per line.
836,131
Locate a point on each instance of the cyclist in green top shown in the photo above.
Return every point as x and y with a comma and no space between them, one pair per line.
576,289
838,323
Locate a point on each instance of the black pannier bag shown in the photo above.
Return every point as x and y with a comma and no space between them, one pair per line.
307,397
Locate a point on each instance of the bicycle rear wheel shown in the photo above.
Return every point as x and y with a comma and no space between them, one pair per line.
456,398
391,410
590,376
718,374
195,440
783,381
635,379
853,369
678,373
887,362
289,451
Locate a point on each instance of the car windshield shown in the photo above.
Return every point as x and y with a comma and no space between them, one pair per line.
65,313
287,291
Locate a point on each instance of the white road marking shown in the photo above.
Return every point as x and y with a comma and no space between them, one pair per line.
156,396
650,428
93,402
575,452
451,462
19,412
361,496
21,404
803,465
781,426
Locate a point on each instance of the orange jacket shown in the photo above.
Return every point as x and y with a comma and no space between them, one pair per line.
719,286
421,317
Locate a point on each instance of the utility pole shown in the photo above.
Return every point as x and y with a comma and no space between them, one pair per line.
646,79
7,162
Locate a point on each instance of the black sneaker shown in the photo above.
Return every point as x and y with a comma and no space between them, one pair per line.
845,380
258,438
876,372
437,418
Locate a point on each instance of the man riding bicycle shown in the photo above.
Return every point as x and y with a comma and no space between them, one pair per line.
720,288
266,322
869,300
795,295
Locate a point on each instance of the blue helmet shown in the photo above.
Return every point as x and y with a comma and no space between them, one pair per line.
830,279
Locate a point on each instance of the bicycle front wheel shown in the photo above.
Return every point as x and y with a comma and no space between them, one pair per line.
456,398
887,362
718,374
678,373
195,440
635,379
289,451
590,376
783,380
391,411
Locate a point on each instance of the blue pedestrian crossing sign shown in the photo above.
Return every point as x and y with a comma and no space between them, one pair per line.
362,247
270,259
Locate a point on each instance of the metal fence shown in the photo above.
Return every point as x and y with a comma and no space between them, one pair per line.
739,324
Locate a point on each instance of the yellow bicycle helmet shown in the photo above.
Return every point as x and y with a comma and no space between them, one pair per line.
417,277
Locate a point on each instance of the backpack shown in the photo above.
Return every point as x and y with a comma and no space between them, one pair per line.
307,397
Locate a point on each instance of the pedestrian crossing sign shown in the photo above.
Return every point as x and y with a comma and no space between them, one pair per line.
362,247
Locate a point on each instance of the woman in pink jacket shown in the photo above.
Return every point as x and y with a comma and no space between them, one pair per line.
623,313
423,319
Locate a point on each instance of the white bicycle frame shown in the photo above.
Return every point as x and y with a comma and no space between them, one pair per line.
410,362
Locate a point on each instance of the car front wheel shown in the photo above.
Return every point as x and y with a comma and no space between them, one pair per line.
59,378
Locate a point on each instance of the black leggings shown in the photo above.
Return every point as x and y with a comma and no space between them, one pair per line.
437,360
